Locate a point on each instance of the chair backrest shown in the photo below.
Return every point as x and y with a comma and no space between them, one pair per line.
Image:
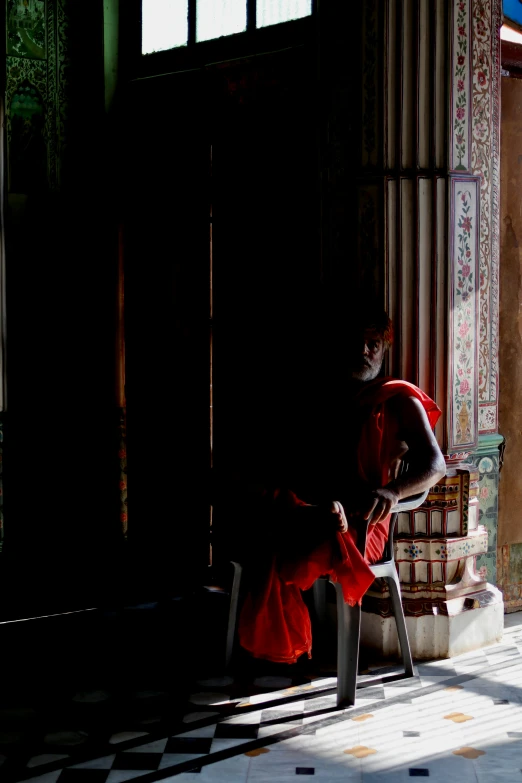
408,504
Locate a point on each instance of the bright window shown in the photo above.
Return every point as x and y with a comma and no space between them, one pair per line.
164,25
276,11
507,34
215,18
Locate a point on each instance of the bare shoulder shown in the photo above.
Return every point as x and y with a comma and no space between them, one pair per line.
414,430
412,418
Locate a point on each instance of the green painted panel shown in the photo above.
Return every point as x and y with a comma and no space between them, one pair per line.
26,28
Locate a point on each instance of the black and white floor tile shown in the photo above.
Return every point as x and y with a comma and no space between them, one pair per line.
458,719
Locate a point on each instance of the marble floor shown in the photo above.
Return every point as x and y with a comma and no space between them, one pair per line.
456,720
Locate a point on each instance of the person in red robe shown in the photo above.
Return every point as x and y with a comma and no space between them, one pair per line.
354,482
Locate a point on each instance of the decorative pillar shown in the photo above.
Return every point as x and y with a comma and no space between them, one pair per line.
427,208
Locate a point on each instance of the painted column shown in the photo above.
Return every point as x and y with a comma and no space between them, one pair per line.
486,18
429,176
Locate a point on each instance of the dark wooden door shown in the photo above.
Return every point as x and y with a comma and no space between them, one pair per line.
266,257
255,120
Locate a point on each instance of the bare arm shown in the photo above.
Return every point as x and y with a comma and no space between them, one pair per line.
426,464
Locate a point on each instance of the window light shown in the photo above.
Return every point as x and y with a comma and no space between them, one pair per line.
164,25
276,11
215,18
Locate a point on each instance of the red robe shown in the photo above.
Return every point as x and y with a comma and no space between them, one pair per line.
274,623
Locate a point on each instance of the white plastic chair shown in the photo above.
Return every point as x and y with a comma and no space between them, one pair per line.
348,617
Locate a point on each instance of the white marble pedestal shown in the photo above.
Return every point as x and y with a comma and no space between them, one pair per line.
456,626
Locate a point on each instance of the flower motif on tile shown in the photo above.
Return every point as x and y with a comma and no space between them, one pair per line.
442,552
460,93
464,315
458,717
488,498
484,162
413,551
469,753
486,465
459,456
487,412
360,751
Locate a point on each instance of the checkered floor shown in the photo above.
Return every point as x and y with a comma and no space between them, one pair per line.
458,718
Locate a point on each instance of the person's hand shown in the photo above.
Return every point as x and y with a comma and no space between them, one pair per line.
378,504
339,515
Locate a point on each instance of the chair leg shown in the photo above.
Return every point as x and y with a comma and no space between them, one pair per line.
319,594
400,620
232,612
348,636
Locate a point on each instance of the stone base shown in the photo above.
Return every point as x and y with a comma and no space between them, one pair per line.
465,625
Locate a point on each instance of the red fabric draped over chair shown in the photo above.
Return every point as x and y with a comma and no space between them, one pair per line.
274,622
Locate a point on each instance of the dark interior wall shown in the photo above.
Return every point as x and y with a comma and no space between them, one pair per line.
60,452
267,259
240,140
271,143
166,196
